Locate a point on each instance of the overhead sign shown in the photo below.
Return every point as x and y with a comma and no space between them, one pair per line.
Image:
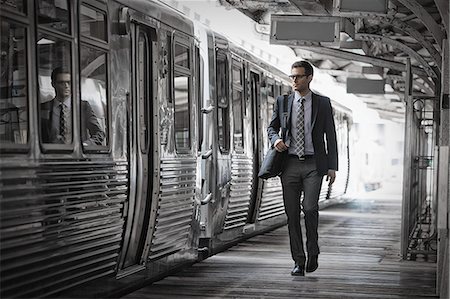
357,8
365,86
304,30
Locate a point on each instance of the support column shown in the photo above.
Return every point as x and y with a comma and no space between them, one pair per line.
407,161
443,179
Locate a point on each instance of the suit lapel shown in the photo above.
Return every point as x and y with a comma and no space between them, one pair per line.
290,101
315,109
47,121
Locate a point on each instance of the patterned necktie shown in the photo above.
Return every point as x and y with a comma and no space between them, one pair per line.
300,125
62,122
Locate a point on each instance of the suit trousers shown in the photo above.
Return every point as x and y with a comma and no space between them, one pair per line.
301,176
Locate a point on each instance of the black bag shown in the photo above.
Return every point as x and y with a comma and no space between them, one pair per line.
273,162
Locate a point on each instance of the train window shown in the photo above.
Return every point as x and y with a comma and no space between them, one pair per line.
270,101
92,23
238,91
13,84
181,57
17,5
271,90
54,14
237,76
94,97
285,89
223,118
55,89
182,112
223,128
222,80
277,90
237,119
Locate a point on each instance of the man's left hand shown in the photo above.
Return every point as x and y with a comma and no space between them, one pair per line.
331,176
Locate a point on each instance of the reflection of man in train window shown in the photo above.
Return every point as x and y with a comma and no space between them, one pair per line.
56,115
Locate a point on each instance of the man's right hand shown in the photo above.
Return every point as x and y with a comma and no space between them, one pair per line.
280,146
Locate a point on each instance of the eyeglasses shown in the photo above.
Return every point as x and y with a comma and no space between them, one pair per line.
62,82
295,77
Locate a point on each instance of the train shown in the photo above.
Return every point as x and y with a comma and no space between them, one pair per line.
184,113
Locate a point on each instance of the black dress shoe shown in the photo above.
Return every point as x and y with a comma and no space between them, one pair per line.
312,264
298,270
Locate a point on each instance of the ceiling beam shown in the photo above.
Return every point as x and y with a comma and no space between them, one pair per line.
443,8
399,45
355,72
310,7
414,33
336,53
426,85
426,19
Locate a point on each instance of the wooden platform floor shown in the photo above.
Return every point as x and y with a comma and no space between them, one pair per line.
359,258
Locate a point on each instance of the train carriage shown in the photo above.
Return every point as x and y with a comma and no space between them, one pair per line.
183,114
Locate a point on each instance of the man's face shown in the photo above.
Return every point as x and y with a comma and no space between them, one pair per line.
62,85
300,81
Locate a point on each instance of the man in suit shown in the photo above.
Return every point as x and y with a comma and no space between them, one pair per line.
56,115
308,120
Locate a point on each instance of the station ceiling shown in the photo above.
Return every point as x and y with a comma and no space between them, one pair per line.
371,45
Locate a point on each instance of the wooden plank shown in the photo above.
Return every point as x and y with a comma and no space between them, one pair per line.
360,258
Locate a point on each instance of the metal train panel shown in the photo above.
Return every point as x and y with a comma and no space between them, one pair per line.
61,222
174,216
240,192
271,199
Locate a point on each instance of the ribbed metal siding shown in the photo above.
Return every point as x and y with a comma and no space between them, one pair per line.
272,199
324,189
342,176
175,207
61,224
240,191
340,185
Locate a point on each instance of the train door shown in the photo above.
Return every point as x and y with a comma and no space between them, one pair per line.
253,108
141,151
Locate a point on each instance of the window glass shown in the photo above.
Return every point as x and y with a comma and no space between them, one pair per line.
223,118
181,56
13,84
237,78
222,81
270,101
271,90
182,133
237,119
94,95
54,14
92,23
55,89
13,4
223,129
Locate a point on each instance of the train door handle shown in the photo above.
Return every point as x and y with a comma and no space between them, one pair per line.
207,154
208,109
207,199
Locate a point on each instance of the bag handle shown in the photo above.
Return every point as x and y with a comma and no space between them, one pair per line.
285,114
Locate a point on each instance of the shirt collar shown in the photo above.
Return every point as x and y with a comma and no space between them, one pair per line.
67,102
307,97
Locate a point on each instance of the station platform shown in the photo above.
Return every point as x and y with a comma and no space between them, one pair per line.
360,245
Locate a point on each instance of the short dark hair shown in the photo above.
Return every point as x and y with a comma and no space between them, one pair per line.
59,70
304,64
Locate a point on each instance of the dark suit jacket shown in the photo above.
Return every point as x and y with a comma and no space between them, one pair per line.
322,125
91,132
